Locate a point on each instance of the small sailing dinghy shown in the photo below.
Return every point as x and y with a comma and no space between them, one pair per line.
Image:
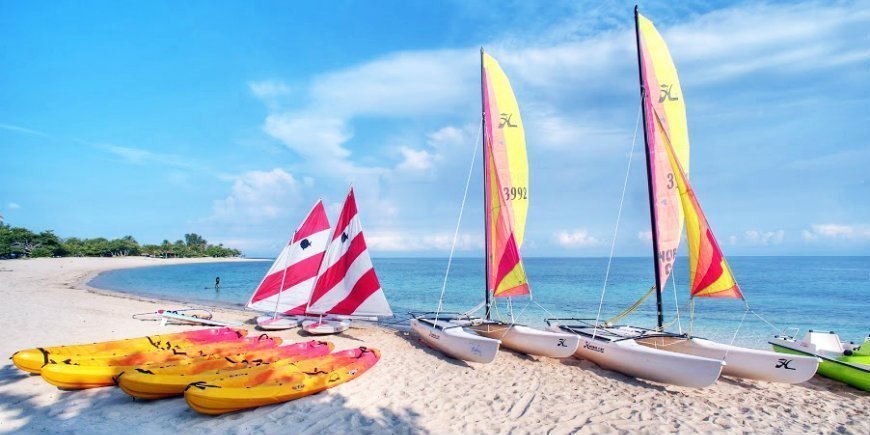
672,201
286,287
506,201
347,286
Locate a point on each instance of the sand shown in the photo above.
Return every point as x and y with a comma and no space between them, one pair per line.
412,389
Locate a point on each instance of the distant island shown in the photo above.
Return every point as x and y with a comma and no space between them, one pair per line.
18,242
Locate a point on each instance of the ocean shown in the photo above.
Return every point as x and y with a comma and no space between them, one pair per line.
822,293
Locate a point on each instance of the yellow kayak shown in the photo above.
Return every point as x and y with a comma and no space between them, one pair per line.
148,382
84,373
32,360
267,385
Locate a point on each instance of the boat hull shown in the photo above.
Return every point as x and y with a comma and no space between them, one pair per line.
833,367
530,341
742,362
272,323
325,326
456,342
633,359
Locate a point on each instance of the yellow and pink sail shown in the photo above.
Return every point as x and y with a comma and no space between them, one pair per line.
506,181
674,201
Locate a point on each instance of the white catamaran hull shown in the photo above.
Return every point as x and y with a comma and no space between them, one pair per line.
325,326
630,358
742,362
456,341
530,341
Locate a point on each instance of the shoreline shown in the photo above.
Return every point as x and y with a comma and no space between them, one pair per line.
413,389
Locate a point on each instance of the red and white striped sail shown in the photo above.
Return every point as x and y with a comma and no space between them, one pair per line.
347,284
288,283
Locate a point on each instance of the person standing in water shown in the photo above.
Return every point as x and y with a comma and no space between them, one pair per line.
217,283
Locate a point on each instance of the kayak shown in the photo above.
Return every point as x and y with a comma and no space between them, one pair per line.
170,380
841,362
79,374
267,385
32,360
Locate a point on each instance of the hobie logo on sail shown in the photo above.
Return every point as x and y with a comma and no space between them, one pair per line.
666,94
506,120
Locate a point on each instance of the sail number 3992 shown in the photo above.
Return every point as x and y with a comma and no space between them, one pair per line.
512,193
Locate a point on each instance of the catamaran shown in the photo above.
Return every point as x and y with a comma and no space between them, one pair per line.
656,354
506,195
285,289
347,286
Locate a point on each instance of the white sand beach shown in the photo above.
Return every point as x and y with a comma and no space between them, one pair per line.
411,390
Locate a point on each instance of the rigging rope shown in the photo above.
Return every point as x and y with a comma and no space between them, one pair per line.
616,228
631,309
458,222
676,302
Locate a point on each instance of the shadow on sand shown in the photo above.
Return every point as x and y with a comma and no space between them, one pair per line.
109,410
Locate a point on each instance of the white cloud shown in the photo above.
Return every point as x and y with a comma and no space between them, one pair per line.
645,236
415,160
391,241
837,231
576,239
399,85
764,238
20,129
13,206
257,196
267,89
313,137
139,156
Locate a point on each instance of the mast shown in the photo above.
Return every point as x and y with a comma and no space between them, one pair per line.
649,181
285,266
486,208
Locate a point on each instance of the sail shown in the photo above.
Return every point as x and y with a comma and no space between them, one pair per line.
506,177
665,125
709,274
288,283
347,283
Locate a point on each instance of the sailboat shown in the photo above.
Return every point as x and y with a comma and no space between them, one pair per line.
656,354
285,289
347,286
506,195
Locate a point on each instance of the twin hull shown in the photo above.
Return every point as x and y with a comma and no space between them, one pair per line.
530,341
456,341
742,362
631,358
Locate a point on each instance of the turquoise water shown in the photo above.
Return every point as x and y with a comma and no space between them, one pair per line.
825,293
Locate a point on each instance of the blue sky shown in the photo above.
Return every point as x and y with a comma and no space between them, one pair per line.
229,119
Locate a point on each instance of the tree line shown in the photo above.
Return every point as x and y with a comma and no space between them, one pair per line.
18,242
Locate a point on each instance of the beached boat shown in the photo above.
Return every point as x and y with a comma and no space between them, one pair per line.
84,373
278,383
673,203
506,200
285,289
843,362
347,286
32,360
166,380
